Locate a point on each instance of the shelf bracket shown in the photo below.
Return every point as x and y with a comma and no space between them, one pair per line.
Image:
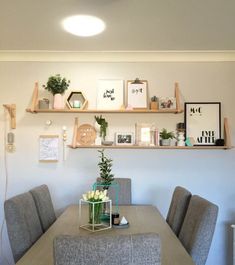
34,101
177,97
75,130
227,136
12,112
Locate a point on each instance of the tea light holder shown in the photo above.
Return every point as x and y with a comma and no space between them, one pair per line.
76,103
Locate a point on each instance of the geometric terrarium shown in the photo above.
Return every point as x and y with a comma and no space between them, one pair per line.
76,100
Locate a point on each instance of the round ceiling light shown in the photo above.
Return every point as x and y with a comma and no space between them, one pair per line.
83,25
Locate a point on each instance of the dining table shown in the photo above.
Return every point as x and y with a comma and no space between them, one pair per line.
141,218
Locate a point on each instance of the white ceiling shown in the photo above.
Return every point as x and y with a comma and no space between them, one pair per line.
131,25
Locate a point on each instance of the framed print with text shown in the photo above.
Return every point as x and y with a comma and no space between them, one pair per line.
110,94
203,122
137,94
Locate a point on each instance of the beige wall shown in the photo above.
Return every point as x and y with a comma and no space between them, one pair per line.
154,173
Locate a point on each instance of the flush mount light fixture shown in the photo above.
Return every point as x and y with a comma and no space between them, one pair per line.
83,25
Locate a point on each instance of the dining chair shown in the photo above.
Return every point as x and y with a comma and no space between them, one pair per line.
124,191
198,228
135,249
23,224
178,207
45,209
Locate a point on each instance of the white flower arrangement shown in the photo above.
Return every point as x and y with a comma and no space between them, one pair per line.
96,196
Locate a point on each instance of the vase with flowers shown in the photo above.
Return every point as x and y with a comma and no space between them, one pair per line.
96,200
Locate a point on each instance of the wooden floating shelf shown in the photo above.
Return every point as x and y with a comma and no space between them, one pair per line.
101,111
150,147
34,106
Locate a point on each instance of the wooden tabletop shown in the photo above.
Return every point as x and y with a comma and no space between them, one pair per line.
142,219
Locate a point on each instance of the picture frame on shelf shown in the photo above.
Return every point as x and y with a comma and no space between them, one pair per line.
110,94
145,134
167,103
203,122
124,138
137,94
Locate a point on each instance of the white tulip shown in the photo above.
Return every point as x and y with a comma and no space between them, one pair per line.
84,197
92,194
101,196
97,192
105,199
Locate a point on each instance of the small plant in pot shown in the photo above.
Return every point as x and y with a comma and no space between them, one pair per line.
166,137
57,86
103,126
106,177
154,103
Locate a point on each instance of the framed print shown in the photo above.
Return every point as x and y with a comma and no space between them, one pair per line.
48,148
167,103
144,133
124,138
109,94
137,94
203,122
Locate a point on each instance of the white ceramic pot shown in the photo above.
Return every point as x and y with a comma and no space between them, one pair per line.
165,142
58,101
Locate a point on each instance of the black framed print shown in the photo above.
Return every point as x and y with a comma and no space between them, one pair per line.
203,122
124,138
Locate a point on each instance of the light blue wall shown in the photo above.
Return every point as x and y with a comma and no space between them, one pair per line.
154,173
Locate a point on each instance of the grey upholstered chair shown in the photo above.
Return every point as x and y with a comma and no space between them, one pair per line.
23,225
43,202
198,228
178,207
124,191
135,249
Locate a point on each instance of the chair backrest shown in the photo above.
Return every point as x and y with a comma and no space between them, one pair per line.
198,228
23,225
43,202
124,191
178,208
135,249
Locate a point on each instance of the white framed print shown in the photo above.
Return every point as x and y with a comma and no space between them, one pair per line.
145,133
137,94
48,148
124,138
203,122
110,94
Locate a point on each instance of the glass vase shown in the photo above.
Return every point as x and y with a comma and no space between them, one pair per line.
95,212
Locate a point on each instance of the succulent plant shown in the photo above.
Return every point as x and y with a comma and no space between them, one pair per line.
154,99
164,134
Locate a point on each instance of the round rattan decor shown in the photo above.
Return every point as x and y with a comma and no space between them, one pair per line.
86,134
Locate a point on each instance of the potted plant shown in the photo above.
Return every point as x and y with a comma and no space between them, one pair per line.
105,166
57,86
103,125
166,137
154,103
